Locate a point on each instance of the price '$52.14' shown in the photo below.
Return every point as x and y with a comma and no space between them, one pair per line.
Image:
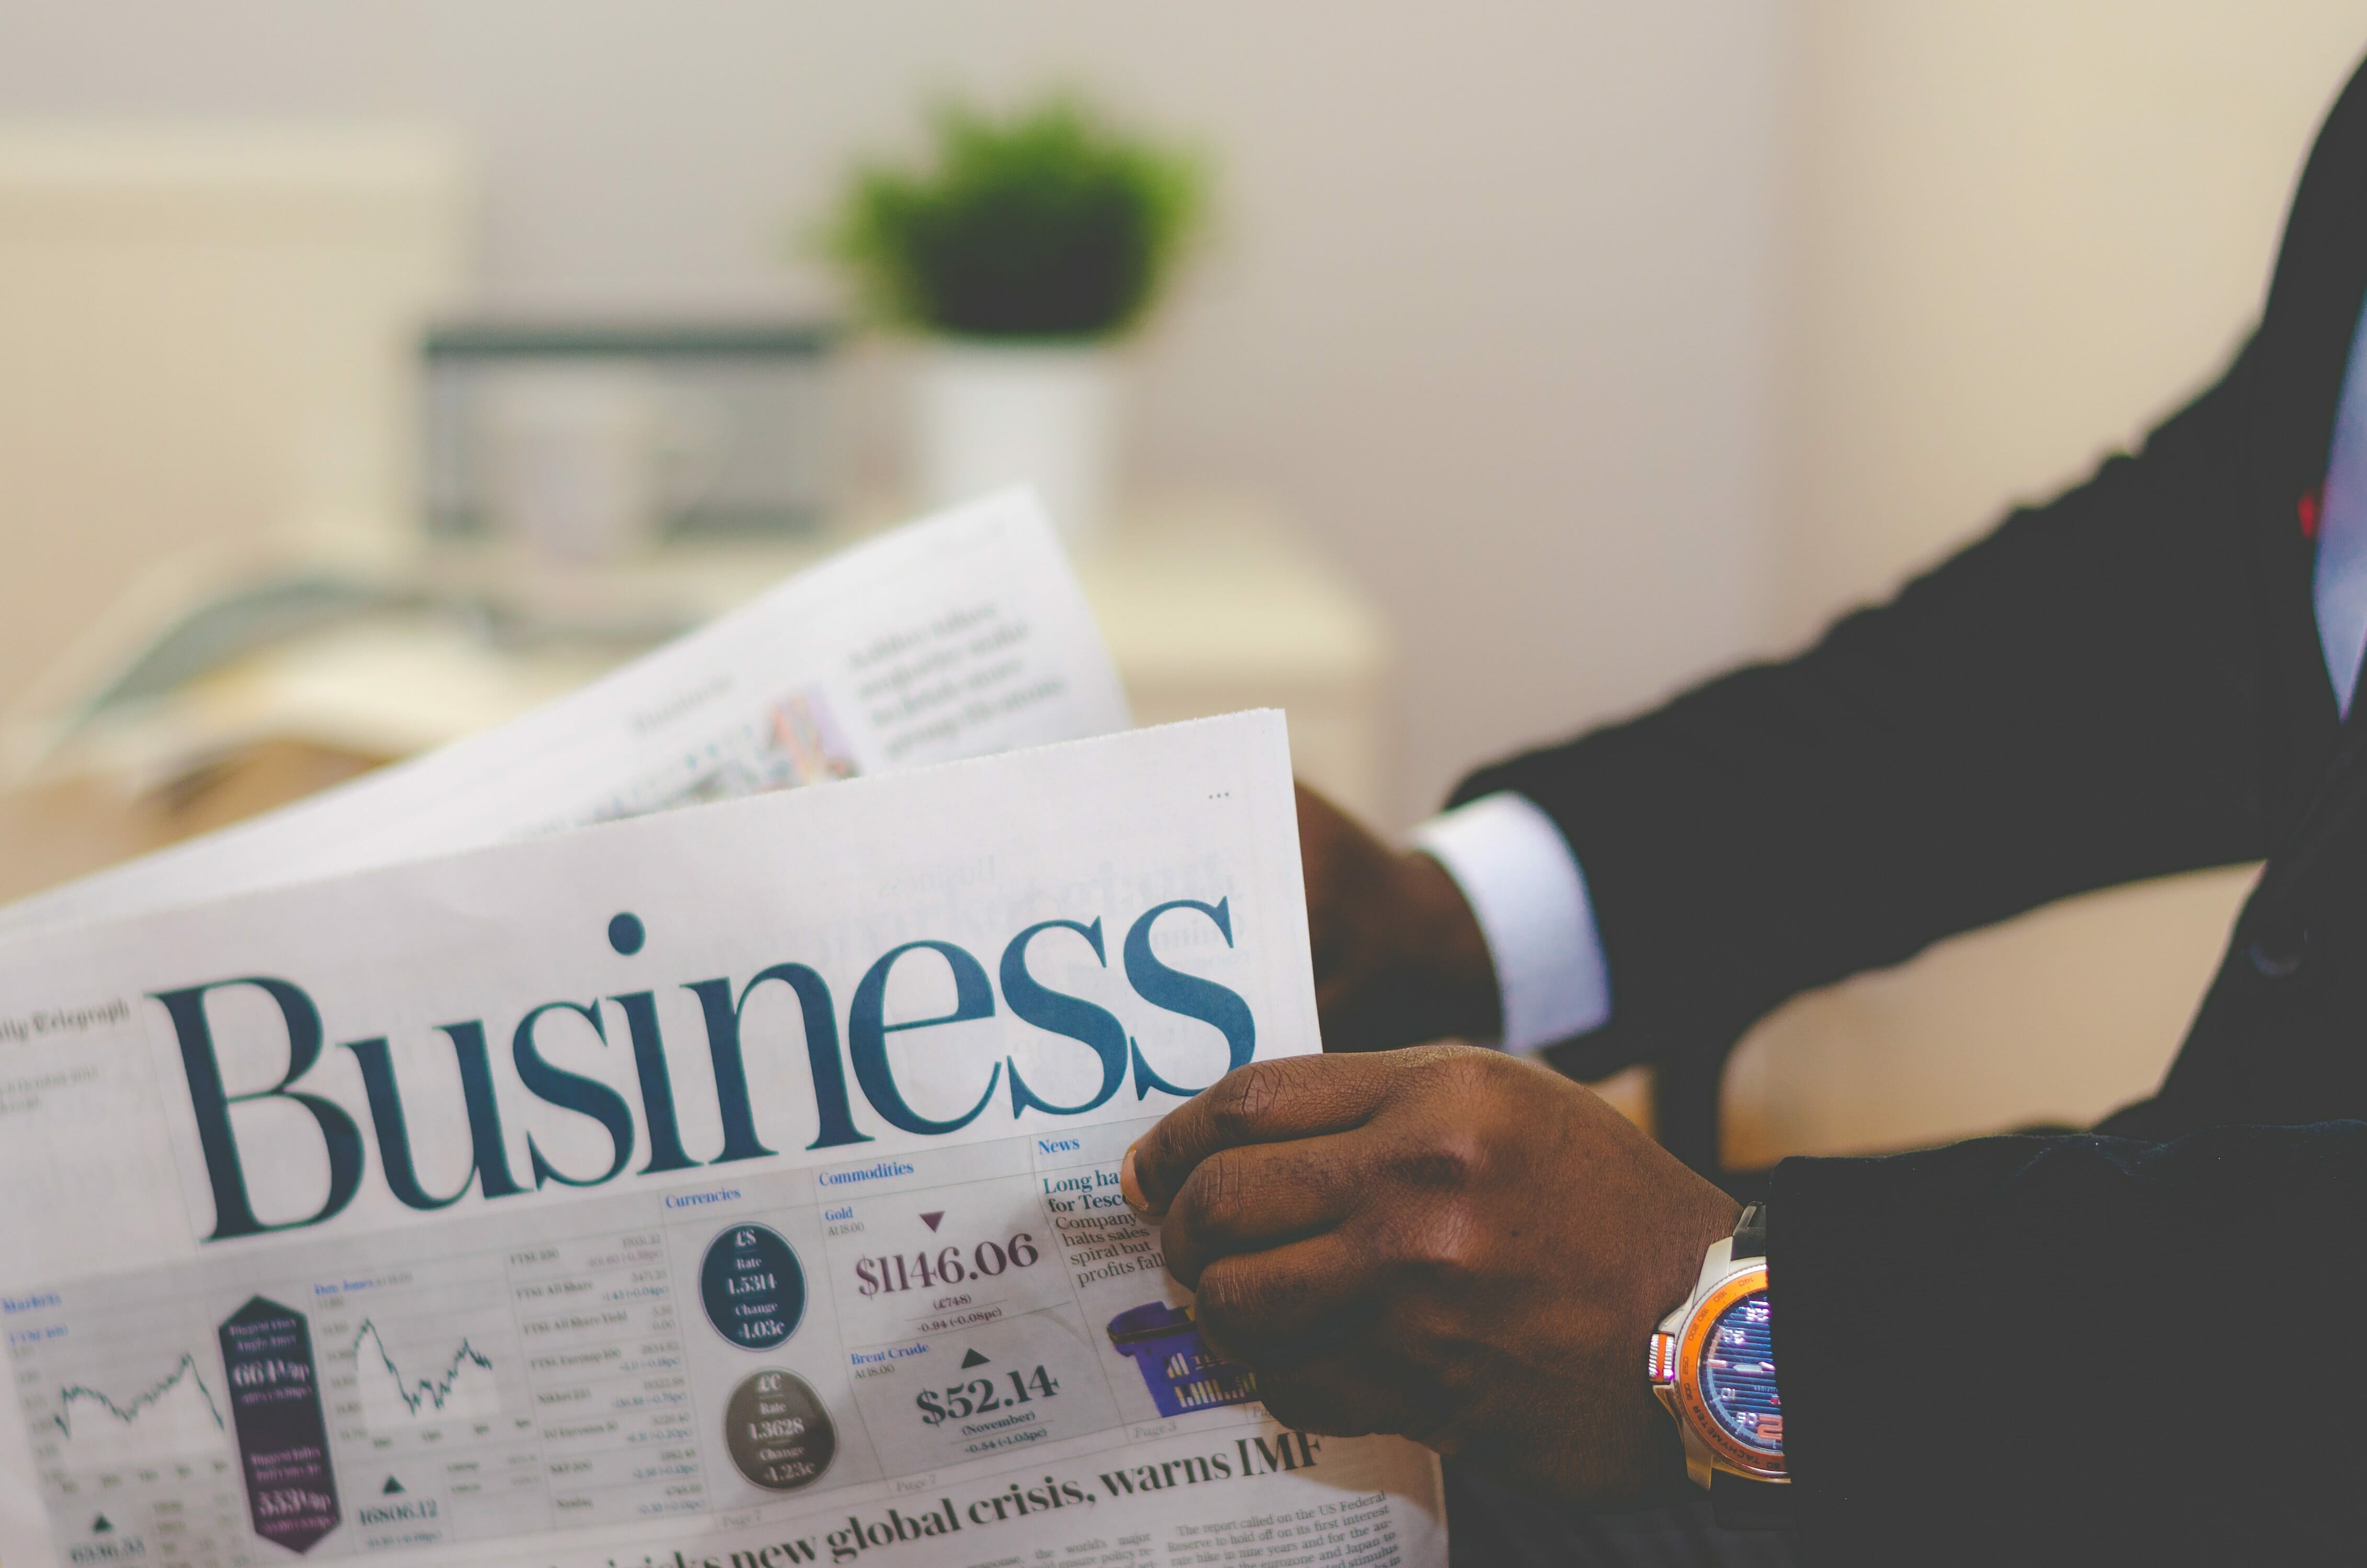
981,1395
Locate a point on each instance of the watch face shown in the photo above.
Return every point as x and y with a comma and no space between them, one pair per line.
1737,1376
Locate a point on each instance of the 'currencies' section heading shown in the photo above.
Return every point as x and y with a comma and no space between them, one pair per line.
347,1133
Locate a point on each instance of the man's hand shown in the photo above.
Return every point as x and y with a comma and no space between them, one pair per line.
1443,1243
1398,959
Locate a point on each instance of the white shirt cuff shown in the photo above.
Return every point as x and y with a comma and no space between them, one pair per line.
1525,887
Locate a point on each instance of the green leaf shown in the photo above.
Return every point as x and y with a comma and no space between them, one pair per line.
1045,224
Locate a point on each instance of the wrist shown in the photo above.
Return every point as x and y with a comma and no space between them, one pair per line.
1416,966
1520,886
1707,1219
1442,952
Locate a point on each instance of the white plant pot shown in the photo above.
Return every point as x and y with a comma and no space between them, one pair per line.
990,415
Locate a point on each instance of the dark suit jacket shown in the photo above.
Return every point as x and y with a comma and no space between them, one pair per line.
2151,1346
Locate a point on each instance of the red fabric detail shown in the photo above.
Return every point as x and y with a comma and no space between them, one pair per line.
2306,509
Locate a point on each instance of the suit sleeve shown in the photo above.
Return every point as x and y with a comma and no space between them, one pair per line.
2074,702
2080,1350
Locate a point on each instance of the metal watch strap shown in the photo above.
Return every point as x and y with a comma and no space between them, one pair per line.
1750,1232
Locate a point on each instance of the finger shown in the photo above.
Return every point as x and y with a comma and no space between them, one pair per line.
1266,1102
1260,1196
1289,1303
1338,1396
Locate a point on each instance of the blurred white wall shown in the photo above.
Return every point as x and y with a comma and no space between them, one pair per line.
1487,301
2015,234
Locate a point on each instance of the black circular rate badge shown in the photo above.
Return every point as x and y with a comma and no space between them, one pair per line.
754,1290
779,1435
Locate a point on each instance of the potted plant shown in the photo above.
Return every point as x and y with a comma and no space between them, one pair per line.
1024,250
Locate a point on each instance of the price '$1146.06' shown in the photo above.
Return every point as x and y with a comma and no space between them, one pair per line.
947,1266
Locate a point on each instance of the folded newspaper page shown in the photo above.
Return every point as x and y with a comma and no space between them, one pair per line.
954,637
728,1187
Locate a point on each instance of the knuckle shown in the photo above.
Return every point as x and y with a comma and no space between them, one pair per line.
1228,1303
1213,1196
1242,1100
1433,1342
1445,1246
1464,1073
1180,1248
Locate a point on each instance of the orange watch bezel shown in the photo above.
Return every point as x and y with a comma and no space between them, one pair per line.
1730,1451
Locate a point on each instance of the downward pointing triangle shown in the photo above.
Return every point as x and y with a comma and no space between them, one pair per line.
972,1359
931,1220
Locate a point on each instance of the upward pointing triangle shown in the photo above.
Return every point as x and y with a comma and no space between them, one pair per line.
391,1488
972,1359
101,1526
930,1220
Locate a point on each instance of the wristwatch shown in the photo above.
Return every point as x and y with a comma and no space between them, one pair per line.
1712,1363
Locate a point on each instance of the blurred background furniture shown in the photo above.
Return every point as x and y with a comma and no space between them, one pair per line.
208,344
1208,605
739,419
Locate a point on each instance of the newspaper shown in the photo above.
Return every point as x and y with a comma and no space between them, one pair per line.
732,1186
956,637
